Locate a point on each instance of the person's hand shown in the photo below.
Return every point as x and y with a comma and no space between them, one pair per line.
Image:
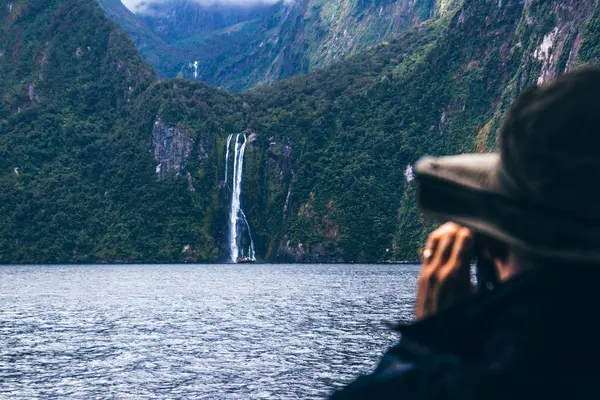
446,272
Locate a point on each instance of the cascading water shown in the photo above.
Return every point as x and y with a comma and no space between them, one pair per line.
251,253
236,214
227,156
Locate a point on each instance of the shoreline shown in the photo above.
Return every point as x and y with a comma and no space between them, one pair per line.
401,262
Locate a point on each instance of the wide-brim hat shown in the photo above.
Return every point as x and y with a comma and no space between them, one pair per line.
541,190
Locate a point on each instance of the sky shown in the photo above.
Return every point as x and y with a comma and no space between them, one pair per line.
133,4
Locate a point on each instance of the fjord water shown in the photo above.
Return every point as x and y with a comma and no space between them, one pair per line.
191,331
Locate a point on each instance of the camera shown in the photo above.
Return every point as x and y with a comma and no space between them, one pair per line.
485,270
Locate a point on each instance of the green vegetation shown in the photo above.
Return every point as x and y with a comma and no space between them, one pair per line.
77,176
264,44
323,181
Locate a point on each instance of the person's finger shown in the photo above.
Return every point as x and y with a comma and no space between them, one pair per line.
429,250
440,244
431,246
458,264
434,238
443,250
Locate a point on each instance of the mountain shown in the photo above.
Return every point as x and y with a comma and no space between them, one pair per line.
439,89
180,19
100,160
238,47
77,171
151,46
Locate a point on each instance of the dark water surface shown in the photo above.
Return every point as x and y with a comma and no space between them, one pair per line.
195,332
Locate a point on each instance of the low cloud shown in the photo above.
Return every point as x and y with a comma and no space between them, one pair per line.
141,5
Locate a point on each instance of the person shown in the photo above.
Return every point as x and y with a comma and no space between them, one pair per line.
532,209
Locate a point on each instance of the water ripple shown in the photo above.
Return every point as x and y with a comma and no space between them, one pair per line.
202,332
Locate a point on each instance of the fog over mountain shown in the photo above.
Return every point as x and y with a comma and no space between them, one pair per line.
239,44
143,5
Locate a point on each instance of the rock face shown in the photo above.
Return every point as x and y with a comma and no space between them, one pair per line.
280,156
238,47
90,173
180,19
172,148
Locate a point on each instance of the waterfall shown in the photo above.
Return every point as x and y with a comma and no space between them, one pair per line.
227,155
251,253
235,231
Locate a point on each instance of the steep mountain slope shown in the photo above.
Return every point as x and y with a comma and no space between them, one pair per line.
101,161
238,48
179,19
77,175
359,125
151,46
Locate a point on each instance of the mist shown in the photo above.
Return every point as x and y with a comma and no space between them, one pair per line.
140,5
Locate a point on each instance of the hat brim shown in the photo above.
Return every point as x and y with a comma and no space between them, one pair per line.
468,189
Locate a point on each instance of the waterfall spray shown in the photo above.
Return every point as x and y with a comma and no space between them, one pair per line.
238,223
251,252
227,155
235,205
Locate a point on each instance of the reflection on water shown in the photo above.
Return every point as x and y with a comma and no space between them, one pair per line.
181,332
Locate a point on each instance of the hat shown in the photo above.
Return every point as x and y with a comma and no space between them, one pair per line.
541,190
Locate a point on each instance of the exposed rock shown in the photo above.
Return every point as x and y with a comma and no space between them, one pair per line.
543,53
78,52
205,147
332,230
31,93
191,187
43,58
279,158
473,64
307,209
443,119
317,251
251,135
172,148
289,252
564,40
574,52
462,17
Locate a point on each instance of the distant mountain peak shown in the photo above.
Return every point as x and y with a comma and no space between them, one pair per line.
239,44
153,6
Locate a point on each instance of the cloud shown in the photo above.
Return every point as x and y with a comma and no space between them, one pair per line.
140,5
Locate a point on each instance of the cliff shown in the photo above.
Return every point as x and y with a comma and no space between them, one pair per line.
102,161
238,47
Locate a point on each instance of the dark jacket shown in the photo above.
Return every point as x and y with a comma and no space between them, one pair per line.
536,336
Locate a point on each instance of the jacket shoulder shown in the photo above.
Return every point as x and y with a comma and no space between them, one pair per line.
410,370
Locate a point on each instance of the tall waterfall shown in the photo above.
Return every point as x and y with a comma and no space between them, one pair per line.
238,222
227,156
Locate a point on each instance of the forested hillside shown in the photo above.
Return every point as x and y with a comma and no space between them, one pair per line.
356,128
102,161
78,179
238,46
